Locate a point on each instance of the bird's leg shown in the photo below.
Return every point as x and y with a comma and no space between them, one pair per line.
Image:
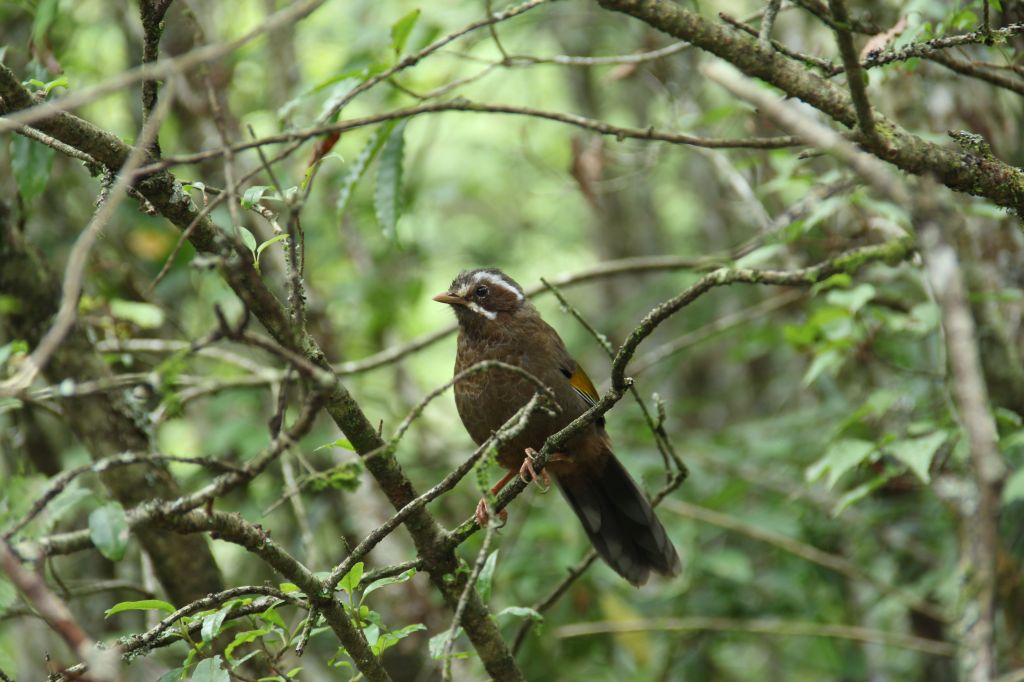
527,468
482,516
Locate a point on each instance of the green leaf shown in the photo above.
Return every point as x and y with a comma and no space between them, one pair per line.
352,578
108,528
46,13
213,622
362,162
344,476
437,644
1013,490
852,299
1005,418
61,82
66,503
142,605
248,239
343,443
840,457
31,162
917,453
486,577
288,587
245,638
12,348
8,595
210,670
172,675
386,640
143,315
401,29
760,255
829,360
522,612
384,582
840,280
387,199
272,617
264,245
859,493
252,196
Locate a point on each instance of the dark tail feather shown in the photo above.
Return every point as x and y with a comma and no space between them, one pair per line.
620,522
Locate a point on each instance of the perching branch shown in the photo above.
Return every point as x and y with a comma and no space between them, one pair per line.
850,261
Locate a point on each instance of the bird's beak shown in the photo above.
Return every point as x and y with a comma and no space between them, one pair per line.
449,299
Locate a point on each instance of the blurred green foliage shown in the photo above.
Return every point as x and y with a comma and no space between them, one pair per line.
826,420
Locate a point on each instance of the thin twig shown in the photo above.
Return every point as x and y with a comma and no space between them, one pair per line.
981,512
929,48
719,325
661,438
58,616
64,543
768,22
74,272
615,268
212,601
893,251
789,117
509,430
418,56
161,69
854,75
460,104
553,596
825,65
833,562
478,565
779,628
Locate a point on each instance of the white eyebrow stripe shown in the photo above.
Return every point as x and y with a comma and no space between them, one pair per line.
477,308
497,281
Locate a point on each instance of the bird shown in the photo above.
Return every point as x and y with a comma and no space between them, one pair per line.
497,322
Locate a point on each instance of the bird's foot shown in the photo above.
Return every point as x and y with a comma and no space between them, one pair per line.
529,474
483,517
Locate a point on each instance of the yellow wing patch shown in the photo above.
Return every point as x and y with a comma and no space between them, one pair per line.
583,385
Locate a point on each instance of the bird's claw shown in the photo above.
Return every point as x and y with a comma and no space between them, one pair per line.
483,517
534,477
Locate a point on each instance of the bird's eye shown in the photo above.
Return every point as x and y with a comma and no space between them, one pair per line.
481,291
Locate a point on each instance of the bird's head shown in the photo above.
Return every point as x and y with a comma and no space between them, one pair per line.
481,297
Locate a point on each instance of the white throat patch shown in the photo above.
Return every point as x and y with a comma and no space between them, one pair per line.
477,308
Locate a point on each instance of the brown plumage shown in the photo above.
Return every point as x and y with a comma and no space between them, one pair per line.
497,322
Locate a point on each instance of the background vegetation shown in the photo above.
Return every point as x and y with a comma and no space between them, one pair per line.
840,254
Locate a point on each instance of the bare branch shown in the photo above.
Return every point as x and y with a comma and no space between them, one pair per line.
461,104
75,270
854,76
162,68
58,616
780,628
965,172
980,512
768,21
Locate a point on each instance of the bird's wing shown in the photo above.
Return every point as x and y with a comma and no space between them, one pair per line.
569,368
581,383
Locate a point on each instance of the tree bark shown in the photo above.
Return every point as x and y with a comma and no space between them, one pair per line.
105,423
